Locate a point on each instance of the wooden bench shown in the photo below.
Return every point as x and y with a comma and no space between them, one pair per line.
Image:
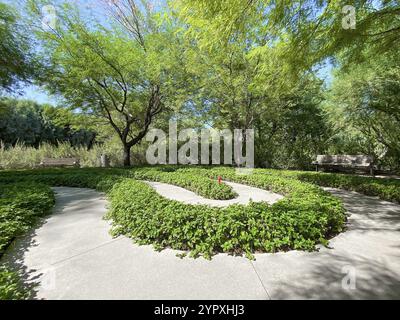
61,162
355,162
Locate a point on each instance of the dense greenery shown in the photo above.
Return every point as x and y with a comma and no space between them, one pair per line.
291,224
11,287
302,74
385,189
298,72
363,106
201,184
305,217
22,157
21,204
17,62
32,124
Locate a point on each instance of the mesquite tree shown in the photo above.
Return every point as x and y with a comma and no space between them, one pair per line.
107,72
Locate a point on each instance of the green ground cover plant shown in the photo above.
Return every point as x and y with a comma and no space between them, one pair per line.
299,221
205,186
11,287
307,216
384,188
21,205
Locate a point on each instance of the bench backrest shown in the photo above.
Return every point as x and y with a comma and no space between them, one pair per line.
357,160
60,162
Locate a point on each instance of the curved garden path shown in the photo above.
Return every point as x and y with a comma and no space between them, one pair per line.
245,194
72,256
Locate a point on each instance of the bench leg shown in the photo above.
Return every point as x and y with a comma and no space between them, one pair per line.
372,171
316,168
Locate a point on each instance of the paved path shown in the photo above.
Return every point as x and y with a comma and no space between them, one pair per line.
245,194
72,256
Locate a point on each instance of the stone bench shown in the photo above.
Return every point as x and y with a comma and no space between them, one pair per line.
61,162
355,162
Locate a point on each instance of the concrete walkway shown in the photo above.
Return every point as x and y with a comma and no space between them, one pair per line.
72,256
245,194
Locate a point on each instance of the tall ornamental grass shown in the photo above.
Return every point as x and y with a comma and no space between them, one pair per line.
26,157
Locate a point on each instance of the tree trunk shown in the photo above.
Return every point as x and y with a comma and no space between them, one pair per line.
127,156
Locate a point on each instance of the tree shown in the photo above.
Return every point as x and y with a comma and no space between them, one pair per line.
245,80
27,122
104,73
312,30
17,62
364,101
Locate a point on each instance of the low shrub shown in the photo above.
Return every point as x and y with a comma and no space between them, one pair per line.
205,186
306,217
20,206
385,189
89,178
11,287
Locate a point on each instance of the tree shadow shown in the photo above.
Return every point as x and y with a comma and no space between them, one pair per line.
366,213
14,257
375,270
336,276
13,260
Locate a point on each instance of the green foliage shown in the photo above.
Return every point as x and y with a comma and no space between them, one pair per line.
17,62
20,206
120,73
363,107
24,157
385,189
306,217
24,121
205,186
11,287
